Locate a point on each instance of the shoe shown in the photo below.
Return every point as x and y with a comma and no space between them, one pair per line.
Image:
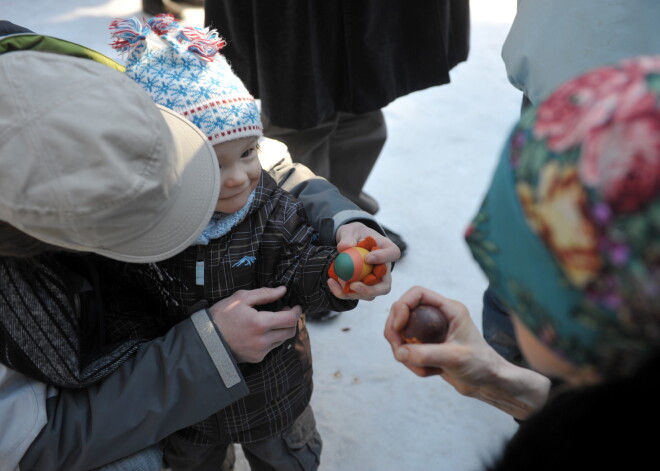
156,7
321,316
396,238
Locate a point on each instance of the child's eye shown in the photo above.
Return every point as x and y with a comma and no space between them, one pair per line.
248,153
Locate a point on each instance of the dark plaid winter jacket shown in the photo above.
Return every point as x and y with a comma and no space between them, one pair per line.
274,245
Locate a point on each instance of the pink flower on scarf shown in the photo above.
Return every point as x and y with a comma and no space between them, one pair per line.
621,161
644,64
589,101
612,116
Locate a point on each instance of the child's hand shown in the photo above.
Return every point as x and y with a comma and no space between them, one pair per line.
349,235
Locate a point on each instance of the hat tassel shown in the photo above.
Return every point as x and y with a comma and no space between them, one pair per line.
203,42
127,34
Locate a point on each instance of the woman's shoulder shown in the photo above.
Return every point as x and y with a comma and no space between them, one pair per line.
596,427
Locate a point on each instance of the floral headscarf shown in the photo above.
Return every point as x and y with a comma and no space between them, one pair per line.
569,232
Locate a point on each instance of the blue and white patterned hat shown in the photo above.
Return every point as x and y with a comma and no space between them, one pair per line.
182,69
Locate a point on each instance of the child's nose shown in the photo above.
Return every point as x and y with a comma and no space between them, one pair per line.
234,176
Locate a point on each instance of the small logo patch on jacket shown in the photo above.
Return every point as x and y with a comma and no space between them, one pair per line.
247,261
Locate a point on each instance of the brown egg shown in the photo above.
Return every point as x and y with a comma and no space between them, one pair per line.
426,324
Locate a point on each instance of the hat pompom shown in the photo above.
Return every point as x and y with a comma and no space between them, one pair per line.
204,42
163,23
127,33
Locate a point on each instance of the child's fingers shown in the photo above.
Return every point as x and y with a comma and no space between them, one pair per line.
385,254
369,293
336,289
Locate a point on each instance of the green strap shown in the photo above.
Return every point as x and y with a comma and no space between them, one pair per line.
38,42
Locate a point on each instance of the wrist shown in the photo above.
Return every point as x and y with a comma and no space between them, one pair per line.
355,215
518,391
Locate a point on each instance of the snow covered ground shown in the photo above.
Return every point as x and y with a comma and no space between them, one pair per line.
373,414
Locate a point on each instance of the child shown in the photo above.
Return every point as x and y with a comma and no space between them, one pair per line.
259,236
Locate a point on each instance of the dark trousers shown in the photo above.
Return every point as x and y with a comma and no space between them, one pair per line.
343,149
297,448
498,329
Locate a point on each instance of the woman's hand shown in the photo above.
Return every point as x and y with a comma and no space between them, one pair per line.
465,360
464,357
252,334
348,236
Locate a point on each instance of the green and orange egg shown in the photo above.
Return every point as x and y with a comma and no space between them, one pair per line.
350,265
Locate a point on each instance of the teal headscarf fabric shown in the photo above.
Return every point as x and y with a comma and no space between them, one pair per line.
569,231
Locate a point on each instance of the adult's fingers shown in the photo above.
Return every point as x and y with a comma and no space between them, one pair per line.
419,295
426,359
260,296
398,318
436,355
283,326
286,319
399,314
277,337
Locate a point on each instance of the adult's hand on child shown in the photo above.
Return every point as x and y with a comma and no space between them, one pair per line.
252,334
464,359
348,235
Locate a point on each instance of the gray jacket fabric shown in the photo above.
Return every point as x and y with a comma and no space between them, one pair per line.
326,208
22,414
551,42
170,383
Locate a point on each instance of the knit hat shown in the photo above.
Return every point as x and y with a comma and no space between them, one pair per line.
88,161
569,231
182,69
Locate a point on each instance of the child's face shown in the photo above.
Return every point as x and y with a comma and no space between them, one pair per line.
240,172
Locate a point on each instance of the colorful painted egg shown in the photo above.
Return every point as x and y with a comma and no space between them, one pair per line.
350,265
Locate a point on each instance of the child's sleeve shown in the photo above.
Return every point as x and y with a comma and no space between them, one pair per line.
291,251
326,208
